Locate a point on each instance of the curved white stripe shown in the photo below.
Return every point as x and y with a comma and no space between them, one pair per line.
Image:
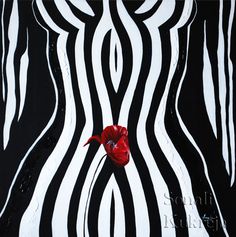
160,187
163,13
222,88
140,205
50,122
83,6
104,211
191,139
30,221
146,6
3,50
3,89
119,225
24,62
10,73
65,10
116,73
85,195
137,54
59,221
103,27
231,95
208,86
164,140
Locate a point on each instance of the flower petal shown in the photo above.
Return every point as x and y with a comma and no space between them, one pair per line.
113,132
119,158
119,154
96,138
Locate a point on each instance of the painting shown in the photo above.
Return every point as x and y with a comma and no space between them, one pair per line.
117,118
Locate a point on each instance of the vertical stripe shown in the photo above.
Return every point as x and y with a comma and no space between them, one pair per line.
208,87
24,62
10,72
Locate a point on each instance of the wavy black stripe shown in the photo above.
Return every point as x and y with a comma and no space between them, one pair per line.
226,12
78,13
166,170
97,128
51,195
112,215
212,44
136,106
192,105
150,12
27,178
1,88
96,197
117,98
6,19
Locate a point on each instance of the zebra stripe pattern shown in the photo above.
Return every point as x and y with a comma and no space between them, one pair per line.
163,69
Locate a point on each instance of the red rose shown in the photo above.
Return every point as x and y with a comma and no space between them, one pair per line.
115,141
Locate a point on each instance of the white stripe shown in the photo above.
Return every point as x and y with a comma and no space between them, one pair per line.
83,6
66,12
119,225
208,86
140,205
3,50
104,211
3,89
29,225
231,95
59,220
85,195
160,187
10,72
24,63
222,88
163,13
103,27
164,140
137,54
116,73
191,139
50,122
146,6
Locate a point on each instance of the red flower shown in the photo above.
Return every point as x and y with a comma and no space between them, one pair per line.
115,141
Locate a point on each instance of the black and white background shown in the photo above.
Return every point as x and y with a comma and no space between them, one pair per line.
165,69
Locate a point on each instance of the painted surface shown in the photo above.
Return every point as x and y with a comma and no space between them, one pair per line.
165,70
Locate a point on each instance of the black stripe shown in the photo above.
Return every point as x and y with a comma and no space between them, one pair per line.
27,178
117,97
147,182
191,104
6,19
96,197
97,117
149,13
78,13
51,195
126,194
226,12
23,11
167,172
2,111
112,215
